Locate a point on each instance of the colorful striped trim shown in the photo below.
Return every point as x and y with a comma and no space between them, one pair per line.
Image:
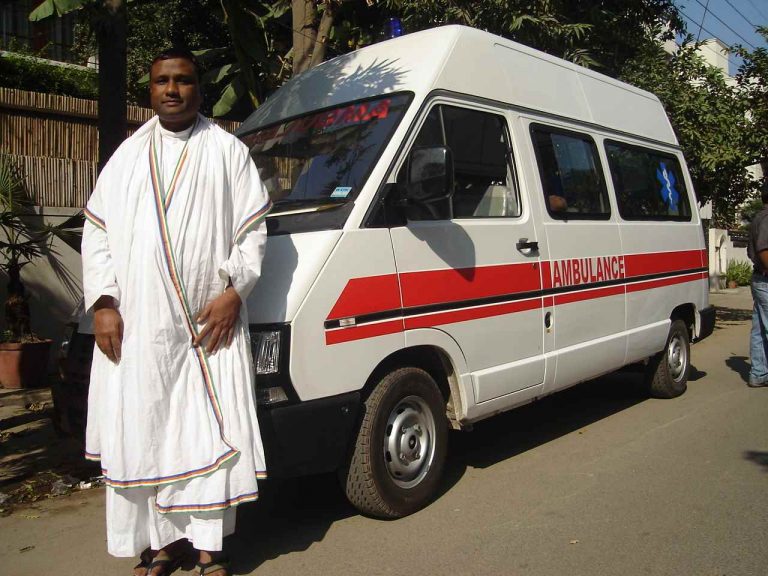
93,219
145,482
253,221
92,457
156,172
261,475
161,207
181,293
208,507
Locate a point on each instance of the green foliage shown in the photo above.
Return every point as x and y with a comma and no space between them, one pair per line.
602,35
739,271
712,122
28,73
155,25
24,237
753,80
749,210
48,8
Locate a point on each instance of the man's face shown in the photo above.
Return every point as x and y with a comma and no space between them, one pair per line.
174,92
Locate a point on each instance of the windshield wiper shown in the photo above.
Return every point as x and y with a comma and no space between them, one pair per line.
301,202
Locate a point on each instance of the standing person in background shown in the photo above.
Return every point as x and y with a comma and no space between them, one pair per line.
172,246
757,249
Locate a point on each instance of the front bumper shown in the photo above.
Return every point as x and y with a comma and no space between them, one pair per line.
309,437
707,318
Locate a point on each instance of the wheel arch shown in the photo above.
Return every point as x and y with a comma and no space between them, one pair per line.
436,362
686,313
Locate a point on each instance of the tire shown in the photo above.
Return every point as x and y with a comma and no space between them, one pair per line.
667,372
399,454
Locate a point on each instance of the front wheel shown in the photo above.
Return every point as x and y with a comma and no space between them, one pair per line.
400,450
667,372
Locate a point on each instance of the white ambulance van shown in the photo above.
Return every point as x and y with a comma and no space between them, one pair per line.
461,225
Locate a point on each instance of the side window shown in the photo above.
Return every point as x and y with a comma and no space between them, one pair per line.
485,184
649,184
571,176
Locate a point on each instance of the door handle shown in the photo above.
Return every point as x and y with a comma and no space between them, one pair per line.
525,244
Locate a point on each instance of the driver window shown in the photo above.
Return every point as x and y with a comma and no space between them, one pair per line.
485,181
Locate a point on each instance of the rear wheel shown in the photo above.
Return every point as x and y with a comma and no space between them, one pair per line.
400,450
667,372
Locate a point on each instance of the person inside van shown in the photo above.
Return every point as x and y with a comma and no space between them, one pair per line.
557,203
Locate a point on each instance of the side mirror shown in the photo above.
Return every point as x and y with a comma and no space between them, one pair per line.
430,183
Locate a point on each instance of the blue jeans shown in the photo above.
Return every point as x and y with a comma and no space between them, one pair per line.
758,352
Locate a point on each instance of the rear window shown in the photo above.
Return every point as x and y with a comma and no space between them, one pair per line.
649,184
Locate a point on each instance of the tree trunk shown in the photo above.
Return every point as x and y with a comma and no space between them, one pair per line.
112,122
321,41
304,34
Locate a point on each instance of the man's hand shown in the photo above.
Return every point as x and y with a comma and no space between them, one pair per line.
108,328
219,317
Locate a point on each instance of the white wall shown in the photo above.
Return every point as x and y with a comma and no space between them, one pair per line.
722,251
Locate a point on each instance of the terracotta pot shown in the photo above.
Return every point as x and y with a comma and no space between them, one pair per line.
732,284
24,365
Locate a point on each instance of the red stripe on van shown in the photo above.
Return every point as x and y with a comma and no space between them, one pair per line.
660,262
441,286
589,294
661,282
453,316
366,331
546,274
367,295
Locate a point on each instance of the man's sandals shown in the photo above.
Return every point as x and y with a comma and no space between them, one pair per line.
150,563
220,565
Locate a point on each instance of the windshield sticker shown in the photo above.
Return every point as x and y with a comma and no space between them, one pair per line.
341,192
341,117
668,192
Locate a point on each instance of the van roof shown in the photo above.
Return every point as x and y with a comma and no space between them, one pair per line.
469,61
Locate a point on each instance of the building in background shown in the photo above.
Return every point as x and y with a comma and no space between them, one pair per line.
51,38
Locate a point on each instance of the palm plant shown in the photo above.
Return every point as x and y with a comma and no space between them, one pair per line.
23,239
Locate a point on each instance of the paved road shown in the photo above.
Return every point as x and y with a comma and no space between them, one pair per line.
597,480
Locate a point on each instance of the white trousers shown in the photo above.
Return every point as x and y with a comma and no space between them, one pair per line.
133,524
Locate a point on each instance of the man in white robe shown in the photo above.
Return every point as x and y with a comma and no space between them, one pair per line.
172,246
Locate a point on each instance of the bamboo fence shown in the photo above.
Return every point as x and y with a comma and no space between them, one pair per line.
55,140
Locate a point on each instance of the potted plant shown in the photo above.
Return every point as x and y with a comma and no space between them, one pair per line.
739,273
23,238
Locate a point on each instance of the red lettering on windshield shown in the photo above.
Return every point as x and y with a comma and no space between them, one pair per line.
353,114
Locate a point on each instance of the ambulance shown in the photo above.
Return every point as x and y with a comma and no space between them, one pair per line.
461,225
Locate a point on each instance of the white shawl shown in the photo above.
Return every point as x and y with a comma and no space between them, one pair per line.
169,414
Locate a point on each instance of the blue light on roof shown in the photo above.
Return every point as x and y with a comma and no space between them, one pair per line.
393,28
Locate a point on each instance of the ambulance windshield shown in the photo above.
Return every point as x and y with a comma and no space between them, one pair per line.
324,158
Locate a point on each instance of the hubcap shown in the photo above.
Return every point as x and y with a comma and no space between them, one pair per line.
677,357
409,441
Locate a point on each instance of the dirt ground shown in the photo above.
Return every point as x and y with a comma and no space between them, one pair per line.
35,461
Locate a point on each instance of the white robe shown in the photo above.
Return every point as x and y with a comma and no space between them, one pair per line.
169,415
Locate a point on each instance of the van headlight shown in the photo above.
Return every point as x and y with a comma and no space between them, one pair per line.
269,349
265,348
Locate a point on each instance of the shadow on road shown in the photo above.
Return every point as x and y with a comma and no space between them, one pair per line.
759,458
518,431
292,515
731,317
695,374
739,365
